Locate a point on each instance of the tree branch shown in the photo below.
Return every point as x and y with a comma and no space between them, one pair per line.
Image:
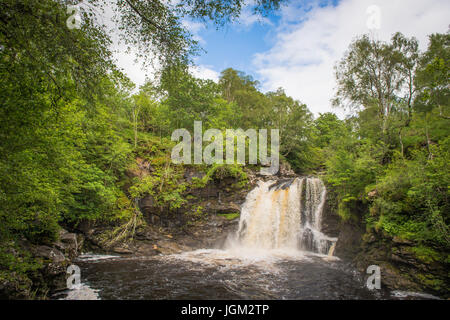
136,10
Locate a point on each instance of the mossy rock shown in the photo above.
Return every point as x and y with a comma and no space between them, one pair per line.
230,216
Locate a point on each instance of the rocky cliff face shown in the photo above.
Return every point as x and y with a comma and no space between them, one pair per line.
51,268
217,197
173,231
401,264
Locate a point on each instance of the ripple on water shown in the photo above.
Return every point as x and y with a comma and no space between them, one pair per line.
95,257
79,292
409,295
219,274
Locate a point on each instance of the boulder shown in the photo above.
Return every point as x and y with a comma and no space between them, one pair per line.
49,253
285,170
69,243
53,274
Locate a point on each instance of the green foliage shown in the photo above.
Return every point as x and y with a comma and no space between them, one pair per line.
60,154
426,254
163,185
17,266
230,216
413,197
220,172
392,154
197,213
431,282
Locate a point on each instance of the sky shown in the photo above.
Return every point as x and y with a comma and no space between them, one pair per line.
297,47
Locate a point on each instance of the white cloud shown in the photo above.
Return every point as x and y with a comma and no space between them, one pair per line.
247,18
135,70
311,39
205,72
194,27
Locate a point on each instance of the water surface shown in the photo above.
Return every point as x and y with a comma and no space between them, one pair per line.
220,274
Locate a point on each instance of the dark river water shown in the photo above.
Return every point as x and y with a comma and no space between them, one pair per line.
219,274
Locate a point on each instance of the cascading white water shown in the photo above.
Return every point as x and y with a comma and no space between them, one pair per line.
285,215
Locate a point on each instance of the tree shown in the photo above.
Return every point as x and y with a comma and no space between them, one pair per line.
144,108
401,99
239,88
188,98
295,123
433,76
375,74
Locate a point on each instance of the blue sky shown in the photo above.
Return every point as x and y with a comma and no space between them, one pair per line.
235,45
297,47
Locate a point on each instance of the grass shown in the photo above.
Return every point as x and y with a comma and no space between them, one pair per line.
230,216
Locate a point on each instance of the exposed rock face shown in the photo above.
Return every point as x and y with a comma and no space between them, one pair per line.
217,197
401,268
57,258
349,240
51,275
189,174
200,235
330,221
70,244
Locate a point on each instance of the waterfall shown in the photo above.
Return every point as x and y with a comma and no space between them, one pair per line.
286,214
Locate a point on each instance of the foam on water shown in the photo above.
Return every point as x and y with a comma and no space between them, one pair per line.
95,257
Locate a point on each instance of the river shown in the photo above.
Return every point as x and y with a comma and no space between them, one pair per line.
278,252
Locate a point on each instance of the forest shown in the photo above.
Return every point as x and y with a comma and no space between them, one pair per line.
72,124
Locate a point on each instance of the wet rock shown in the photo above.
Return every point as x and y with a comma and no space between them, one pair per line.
147,203
69,243
190,174
148,234
281,184
393,280
146,249
330,221
348,245
49,253
169,247
399,241
53,273
229,207
122,250
286,170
